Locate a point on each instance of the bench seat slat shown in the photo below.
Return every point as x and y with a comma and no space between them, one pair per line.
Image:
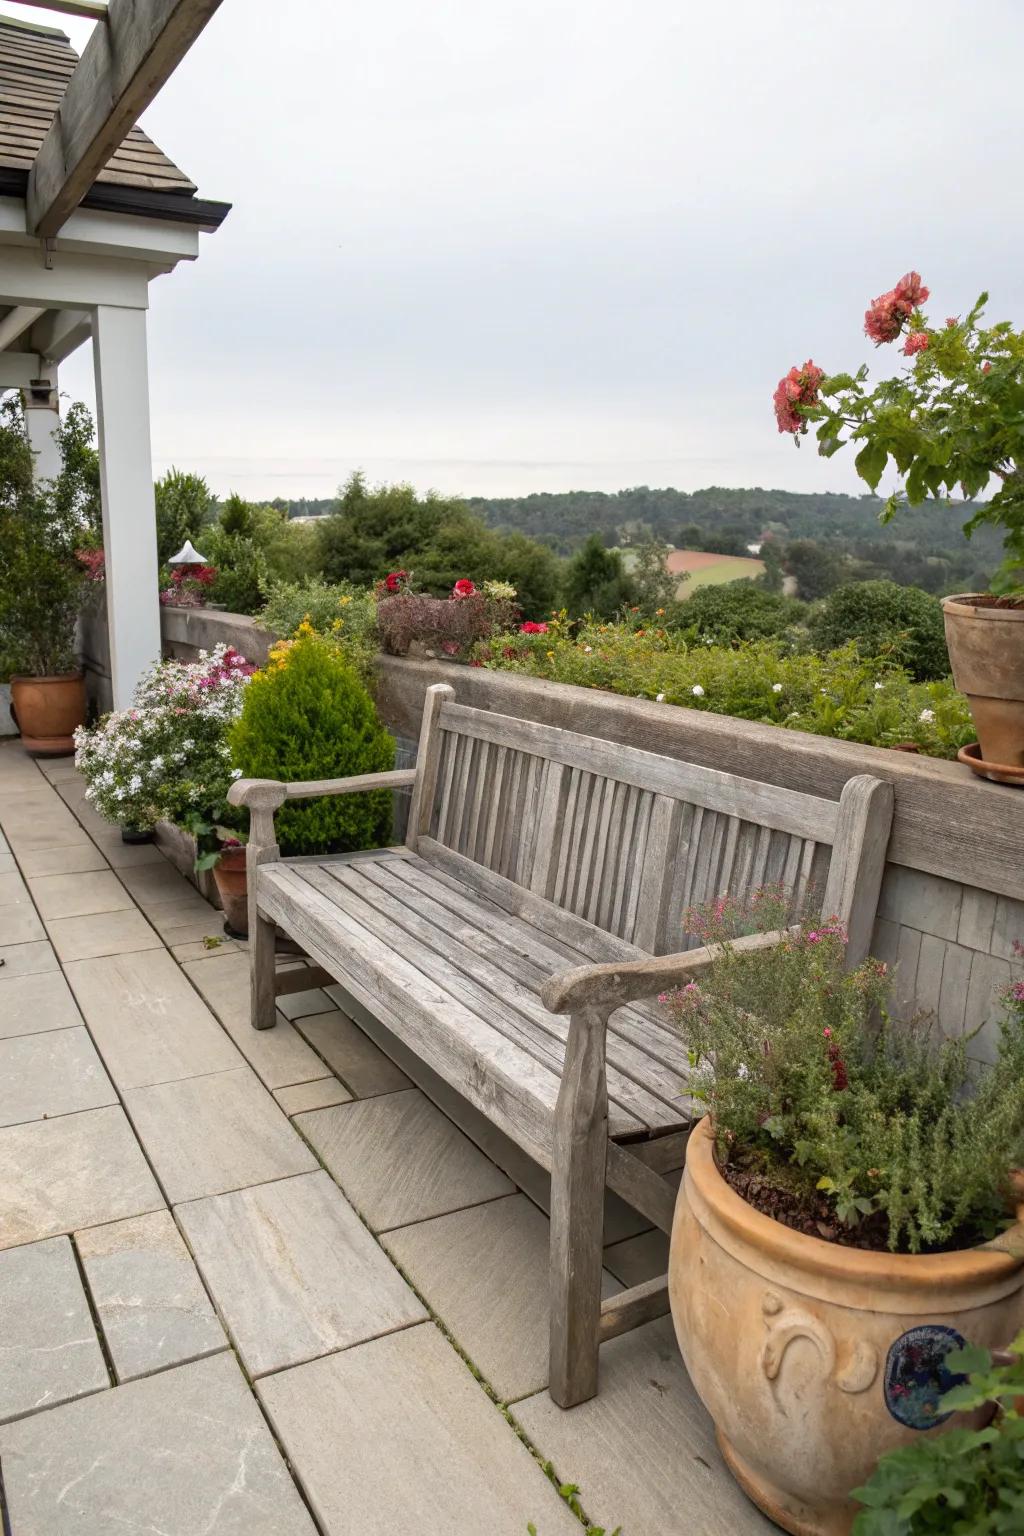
497,1077
642,1026
636,1080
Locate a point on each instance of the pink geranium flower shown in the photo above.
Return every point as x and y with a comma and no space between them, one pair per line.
464,588
917,341
530,628
798,387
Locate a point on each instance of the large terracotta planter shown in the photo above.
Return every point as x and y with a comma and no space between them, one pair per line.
814,1359
986,652
48,710
233,890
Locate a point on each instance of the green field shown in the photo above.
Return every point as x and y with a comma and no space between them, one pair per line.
705,570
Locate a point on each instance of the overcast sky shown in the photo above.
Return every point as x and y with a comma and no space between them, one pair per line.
538,245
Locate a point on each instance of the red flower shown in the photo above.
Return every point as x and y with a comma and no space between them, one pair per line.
393,581
798,387
463,588
884,320
530,628
986,367
917,341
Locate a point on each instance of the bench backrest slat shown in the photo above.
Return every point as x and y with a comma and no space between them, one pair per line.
628,839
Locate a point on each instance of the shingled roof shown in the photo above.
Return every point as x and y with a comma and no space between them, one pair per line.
36,64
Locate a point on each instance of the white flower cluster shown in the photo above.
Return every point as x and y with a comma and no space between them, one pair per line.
166,756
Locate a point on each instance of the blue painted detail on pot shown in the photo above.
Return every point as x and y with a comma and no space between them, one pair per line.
916,1375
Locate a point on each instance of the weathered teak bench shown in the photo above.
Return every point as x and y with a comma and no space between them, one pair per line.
510,942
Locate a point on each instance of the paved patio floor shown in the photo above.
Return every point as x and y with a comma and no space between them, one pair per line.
260,1283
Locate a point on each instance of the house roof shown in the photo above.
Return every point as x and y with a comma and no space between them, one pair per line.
36,64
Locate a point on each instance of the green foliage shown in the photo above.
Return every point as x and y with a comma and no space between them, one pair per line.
739,610
654,585
344,614
184,506
804,1087
596,581
817,568
308,716
77,487
239,559
41,581
884,619
570,1492
841,694
965,1482
436,538
952,420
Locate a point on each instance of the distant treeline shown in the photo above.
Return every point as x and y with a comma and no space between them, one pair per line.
924,546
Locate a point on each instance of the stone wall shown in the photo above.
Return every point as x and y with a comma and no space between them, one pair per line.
952,901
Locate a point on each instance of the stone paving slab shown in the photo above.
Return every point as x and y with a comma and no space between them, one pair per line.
79,895
643,1450
295,1005
12,887
76,1171
29,1005
399,1160
279,1055
148,1296
155,884
62,861
20,924
48,1345
147,1021
485,1272
27,959
395,1436
122,855
316,1095
208,1135
102,933
186,921
350,1053
8,863
638,1258
56,1073
49,828
184,1453
294,1272
195,949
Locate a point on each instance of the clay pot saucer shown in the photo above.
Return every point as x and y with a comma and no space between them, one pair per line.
998,773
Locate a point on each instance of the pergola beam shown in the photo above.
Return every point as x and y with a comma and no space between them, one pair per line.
16,322
122,68
59,333
92,10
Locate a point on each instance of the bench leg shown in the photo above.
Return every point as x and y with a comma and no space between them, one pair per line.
262,972
577,1211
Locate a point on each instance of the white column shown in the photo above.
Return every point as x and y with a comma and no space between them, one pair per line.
126,482
42,418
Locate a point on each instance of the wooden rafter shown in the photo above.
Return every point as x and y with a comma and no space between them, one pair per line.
92,10
122,67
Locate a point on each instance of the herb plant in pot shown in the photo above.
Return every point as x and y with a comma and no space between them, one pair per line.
41,584
953,418
840,1224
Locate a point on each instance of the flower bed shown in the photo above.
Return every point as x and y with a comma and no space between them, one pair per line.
840,694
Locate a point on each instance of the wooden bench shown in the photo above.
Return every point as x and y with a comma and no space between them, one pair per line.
515,945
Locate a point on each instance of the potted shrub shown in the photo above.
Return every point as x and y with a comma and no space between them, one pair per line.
40,594
839,1227
967,1481
309,716
166,758
952,418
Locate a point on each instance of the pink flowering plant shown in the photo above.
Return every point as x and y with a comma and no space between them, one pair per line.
446,627
167,757
952,418
829,1117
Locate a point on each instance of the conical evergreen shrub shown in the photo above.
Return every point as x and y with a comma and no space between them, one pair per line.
308,716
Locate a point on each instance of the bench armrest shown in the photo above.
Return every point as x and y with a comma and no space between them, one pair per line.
611,986
268,794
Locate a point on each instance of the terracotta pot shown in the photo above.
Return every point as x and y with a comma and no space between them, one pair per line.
814,1359
48,710
986,652
233,890
229,875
